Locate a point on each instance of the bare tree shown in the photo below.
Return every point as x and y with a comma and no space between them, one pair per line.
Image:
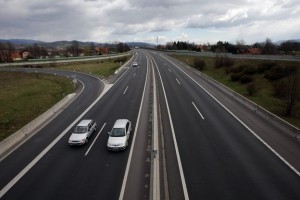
292,92
122,47
6,50
92,49
74,48
269,47
241,46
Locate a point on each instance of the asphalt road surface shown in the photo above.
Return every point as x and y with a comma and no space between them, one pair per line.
210,146
220,155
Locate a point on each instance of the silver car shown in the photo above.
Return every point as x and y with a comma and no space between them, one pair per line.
119,135
82,132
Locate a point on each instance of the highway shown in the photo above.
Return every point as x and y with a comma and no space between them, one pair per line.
220,156
86,172
210,146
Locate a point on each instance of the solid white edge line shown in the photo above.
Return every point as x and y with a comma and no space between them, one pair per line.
121,196
185,192
250,130
198,110
36,159
94,140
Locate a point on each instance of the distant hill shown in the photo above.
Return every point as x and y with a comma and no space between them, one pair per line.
140,44
282,41
22,43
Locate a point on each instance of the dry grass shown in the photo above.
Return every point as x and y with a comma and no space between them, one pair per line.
262,97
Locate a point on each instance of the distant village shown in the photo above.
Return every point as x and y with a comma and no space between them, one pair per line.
12,52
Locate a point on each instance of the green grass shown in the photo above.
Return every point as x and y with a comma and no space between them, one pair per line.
262,97
24,96
101,69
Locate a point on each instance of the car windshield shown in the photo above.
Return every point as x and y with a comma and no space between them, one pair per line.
80,129
117,132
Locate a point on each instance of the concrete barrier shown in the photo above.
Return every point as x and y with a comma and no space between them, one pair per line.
28,130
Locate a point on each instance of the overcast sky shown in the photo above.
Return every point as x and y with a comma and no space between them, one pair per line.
199,21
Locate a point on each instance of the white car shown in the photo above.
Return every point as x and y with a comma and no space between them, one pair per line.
135,64
119,135
82,132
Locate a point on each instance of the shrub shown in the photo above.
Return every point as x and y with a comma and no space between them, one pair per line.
251,88
288,89
236,69
247,69
279,89
199,64
275,73
228,62
235,77
120,59
223,61
243,69
246,79
265,67
218,62
278,72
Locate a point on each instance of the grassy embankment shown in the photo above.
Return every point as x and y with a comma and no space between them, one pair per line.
101,68
24,96
264,90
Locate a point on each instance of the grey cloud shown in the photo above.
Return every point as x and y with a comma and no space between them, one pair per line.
158,3
80,19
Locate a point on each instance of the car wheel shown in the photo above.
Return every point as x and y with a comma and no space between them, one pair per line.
86,140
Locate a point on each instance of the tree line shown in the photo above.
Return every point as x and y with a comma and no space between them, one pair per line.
267,47
75,49
8,50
